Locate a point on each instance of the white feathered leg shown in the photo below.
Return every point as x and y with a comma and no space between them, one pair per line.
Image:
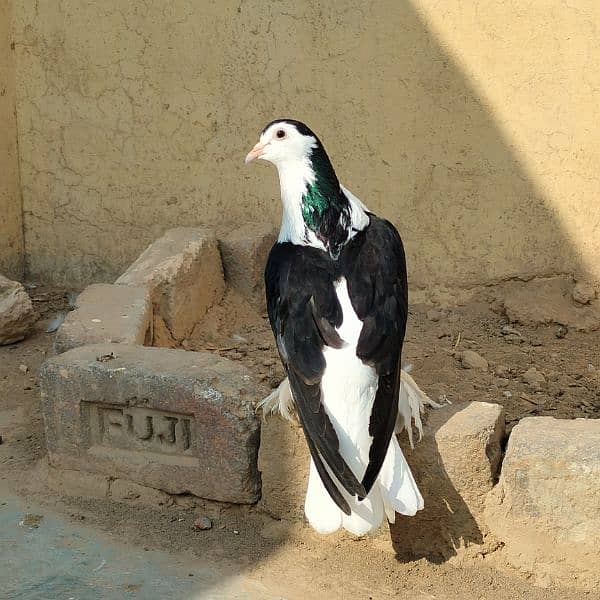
411,404
279,401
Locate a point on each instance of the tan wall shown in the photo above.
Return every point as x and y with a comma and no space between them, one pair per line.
11,226
472,125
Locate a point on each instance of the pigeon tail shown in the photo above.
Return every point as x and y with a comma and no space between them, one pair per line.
395,491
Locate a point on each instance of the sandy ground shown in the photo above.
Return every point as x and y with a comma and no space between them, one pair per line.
289,560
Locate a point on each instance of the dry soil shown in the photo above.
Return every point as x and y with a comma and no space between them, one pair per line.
288,558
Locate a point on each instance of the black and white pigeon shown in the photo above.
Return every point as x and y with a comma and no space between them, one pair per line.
337,302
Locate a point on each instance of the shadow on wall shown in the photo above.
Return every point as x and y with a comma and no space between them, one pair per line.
405,128
432,158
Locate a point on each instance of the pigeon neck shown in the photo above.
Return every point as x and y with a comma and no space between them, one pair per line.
315,210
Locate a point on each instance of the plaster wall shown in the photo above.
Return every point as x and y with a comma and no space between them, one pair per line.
473,126
11,226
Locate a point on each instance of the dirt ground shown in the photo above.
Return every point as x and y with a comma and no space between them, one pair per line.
568,360
288,558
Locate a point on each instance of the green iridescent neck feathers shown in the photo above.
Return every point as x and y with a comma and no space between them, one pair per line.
322,193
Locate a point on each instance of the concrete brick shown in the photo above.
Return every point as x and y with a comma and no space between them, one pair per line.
455,466
183,273
17,314
245,251
546,506
283,462
106,313
169,419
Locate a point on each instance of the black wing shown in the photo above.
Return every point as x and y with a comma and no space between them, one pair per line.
303,312
375,269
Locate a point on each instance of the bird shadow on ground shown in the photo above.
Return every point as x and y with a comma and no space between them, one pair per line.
446,523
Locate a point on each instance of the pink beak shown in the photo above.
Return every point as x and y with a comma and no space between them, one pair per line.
256,152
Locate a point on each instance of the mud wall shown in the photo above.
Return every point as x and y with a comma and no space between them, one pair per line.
469,125
11,226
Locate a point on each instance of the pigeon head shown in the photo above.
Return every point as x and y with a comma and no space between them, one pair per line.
290,143
315,208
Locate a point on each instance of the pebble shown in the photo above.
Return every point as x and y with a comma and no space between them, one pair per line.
583,292
497,306
202,524
23,368
501,382
508,330
502,370
471,360
507,394
561,332
534,378
434,315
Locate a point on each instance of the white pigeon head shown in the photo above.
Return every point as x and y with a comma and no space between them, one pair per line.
284,141
316,210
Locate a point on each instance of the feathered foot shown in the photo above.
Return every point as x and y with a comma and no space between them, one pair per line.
411,404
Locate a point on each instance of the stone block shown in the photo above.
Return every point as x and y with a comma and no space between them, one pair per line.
169,419
106,313
283,462
549,300
245,251
183,273
546,506
17,314
455,466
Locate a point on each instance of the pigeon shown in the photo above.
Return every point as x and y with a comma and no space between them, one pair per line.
337,301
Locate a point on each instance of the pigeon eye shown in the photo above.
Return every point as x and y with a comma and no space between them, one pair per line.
280,134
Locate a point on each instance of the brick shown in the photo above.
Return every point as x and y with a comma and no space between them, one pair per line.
546,508
106,313
17,314
170,419
245,251
184,276
283,462
455,466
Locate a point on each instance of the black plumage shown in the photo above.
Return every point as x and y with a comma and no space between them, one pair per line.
304,311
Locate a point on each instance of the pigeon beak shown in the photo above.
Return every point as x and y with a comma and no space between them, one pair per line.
256,152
